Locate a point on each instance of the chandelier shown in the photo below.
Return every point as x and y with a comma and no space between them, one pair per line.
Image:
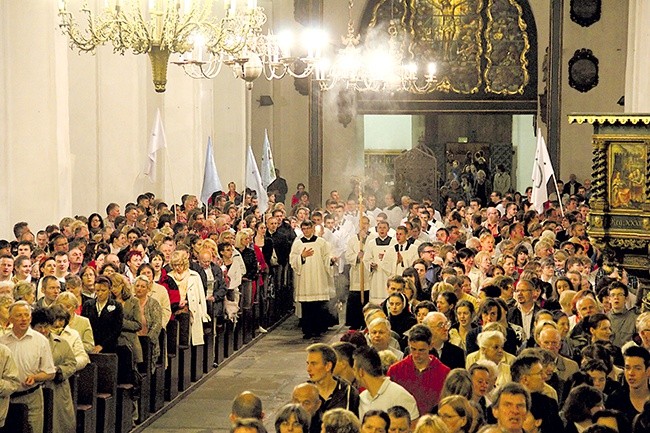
159,28
377,66
269,55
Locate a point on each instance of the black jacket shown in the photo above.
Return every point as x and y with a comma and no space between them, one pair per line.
106,326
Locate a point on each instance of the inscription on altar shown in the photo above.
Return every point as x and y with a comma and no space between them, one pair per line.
635,223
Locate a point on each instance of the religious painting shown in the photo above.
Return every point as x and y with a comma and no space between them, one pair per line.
627,175
585,12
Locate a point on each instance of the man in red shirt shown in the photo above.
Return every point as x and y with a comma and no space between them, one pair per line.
420,373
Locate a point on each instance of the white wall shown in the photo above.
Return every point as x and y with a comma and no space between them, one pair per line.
74,128
524,143
388,132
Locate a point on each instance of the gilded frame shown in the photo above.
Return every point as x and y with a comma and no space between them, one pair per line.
627,171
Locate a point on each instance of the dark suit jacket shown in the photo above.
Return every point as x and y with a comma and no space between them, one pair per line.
514,316
107,326
452,356
218,289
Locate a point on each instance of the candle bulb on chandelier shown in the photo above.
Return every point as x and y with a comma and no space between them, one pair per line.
61,5
252,4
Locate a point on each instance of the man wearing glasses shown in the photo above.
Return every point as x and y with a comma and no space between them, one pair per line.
622,320
428,254
450,355
524,311
528,371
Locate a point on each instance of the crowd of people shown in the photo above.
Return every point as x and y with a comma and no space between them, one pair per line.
465,316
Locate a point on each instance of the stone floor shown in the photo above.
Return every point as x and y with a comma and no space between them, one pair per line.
270,368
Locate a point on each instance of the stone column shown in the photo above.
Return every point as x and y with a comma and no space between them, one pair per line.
637,83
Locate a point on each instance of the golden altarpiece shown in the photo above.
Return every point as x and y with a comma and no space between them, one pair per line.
619,220
485,53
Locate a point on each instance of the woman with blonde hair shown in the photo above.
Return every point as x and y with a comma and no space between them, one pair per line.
77,322
131,324
150,314
458,414
5,302
25,291
431,424
192,296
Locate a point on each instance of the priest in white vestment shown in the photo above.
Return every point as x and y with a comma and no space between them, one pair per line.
311,261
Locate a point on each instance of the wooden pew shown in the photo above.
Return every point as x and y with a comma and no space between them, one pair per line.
16,419
106,390
184,352
171,373
125,390
48,409
220,341
157,395
87,399
144,400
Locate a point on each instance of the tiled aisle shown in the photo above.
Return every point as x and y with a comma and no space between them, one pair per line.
270,369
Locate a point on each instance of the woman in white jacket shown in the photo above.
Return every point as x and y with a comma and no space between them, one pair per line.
192,295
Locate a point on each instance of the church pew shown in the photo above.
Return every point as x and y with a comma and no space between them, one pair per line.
239,334
229,347
106,390
48,409
248,323
220,341
209,336
184,352
144,400
16,419
157,395
196,361
125,390
87,399
171,372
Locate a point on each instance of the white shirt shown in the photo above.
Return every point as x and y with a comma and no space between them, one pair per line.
31,353
390,394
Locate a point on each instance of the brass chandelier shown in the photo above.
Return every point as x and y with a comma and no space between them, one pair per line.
160,28
377,66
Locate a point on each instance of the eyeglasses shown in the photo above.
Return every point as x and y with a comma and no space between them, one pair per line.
428,251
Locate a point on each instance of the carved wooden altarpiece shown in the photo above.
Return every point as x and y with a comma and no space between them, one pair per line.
619,220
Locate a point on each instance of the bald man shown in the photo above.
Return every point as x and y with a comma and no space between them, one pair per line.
246,405
307,395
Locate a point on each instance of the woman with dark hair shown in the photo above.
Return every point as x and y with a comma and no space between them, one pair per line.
422,309
411,274
399,316
63,411
292,418
95,224
105,315
464,323
491,310
599,328
446,304
581,404
562,320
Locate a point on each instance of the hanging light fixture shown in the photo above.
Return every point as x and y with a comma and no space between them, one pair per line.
160,28
374,67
